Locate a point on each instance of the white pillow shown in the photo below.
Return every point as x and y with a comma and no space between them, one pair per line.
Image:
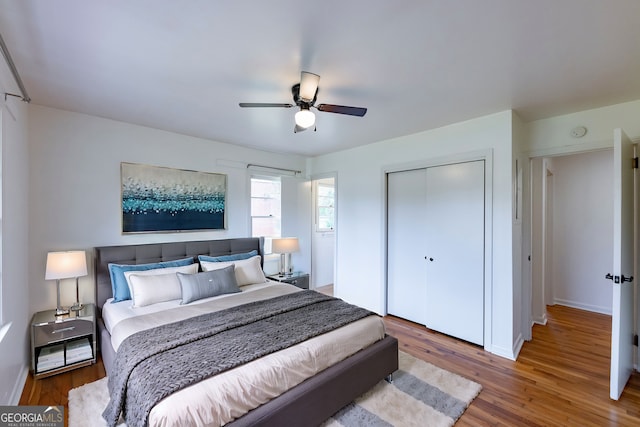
248,271
157,285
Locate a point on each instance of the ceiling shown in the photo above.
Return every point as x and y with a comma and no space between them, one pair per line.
416,65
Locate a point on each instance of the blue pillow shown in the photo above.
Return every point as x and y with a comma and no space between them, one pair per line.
119,284
225,258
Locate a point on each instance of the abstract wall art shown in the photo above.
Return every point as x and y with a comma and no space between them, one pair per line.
161,199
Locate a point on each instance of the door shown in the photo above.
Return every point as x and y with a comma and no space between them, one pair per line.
623,285
406,267
455,250
435,248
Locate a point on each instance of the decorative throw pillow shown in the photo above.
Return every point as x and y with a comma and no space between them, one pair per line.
248,271
223,258
158,285
119,284
208,284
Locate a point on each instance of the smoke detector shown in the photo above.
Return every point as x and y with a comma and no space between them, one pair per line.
578,131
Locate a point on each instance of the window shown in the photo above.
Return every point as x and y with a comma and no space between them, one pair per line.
265,209
325,207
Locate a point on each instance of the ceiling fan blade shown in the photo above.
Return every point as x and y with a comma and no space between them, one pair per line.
342,109
264,104
308,85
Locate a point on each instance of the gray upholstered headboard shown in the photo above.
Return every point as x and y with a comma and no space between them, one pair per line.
155,252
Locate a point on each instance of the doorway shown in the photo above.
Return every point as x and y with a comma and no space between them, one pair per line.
572,221
323,241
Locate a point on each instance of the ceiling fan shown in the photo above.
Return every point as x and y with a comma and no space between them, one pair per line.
304,96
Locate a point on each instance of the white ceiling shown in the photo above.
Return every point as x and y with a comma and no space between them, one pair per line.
183,66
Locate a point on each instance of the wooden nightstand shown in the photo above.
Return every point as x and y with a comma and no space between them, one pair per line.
59,344
298,279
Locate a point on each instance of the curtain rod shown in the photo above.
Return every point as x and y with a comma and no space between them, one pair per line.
14,71
274,168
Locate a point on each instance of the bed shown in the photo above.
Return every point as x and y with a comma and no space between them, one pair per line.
311,400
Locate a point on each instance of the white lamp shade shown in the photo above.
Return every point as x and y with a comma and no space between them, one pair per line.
305,118
65,265
286,245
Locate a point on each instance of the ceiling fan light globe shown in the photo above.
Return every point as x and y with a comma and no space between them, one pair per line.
305,118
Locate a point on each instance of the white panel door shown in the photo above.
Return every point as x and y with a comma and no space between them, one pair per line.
406,267
623,284
454,247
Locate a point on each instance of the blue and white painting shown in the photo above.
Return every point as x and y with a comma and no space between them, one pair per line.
160,199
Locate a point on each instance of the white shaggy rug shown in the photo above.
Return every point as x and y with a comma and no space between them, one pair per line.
421,395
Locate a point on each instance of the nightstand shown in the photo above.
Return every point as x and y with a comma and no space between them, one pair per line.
298,279
62,343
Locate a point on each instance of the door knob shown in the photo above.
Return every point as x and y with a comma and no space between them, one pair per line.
619,279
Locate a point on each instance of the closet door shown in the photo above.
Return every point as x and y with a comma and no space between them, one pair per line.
454,245
406,266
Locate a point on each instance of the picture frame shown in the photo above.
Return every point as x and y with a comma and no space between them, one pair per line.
156,199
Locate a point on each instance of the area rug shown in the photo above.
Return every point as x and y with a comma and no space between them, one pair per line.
421,394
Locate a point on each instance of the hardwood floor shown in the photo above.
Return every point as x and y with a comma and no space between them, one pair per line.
326,289
54,390
560,378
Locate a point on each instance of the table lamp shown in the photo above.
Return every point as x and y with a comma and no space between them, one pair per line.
66,265
285,246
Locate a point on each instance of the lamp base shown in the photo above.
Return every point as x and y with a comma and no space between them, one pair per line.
282,266
62,311
288,267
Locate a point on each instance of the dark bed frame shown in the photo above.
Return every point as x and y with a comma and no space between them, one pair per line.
309,403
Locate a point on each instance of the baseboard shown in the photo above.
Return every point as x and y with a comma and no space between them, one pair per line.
18,387
541,320
502,352
518,346
586,307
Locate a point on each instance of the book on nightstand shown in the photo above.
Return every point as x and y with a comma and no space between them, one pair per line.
51,358
79,350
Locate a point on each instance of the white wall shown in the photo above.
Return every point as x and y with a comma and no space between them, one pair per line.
296,220
75,188
15,315
552,136
360,257
521,266
582,237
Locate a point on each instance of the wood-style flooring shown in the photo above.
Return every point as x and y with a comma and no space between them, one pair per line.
560,378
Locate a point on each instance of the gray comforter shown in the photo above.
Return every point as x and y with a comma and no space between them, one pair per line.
152,364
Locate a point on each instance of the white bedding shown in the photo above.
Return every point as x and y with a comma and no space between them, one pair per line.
227,396
114,313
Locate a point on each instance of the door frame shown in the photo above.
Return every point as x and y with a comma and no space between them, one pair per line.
313,181
487,156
